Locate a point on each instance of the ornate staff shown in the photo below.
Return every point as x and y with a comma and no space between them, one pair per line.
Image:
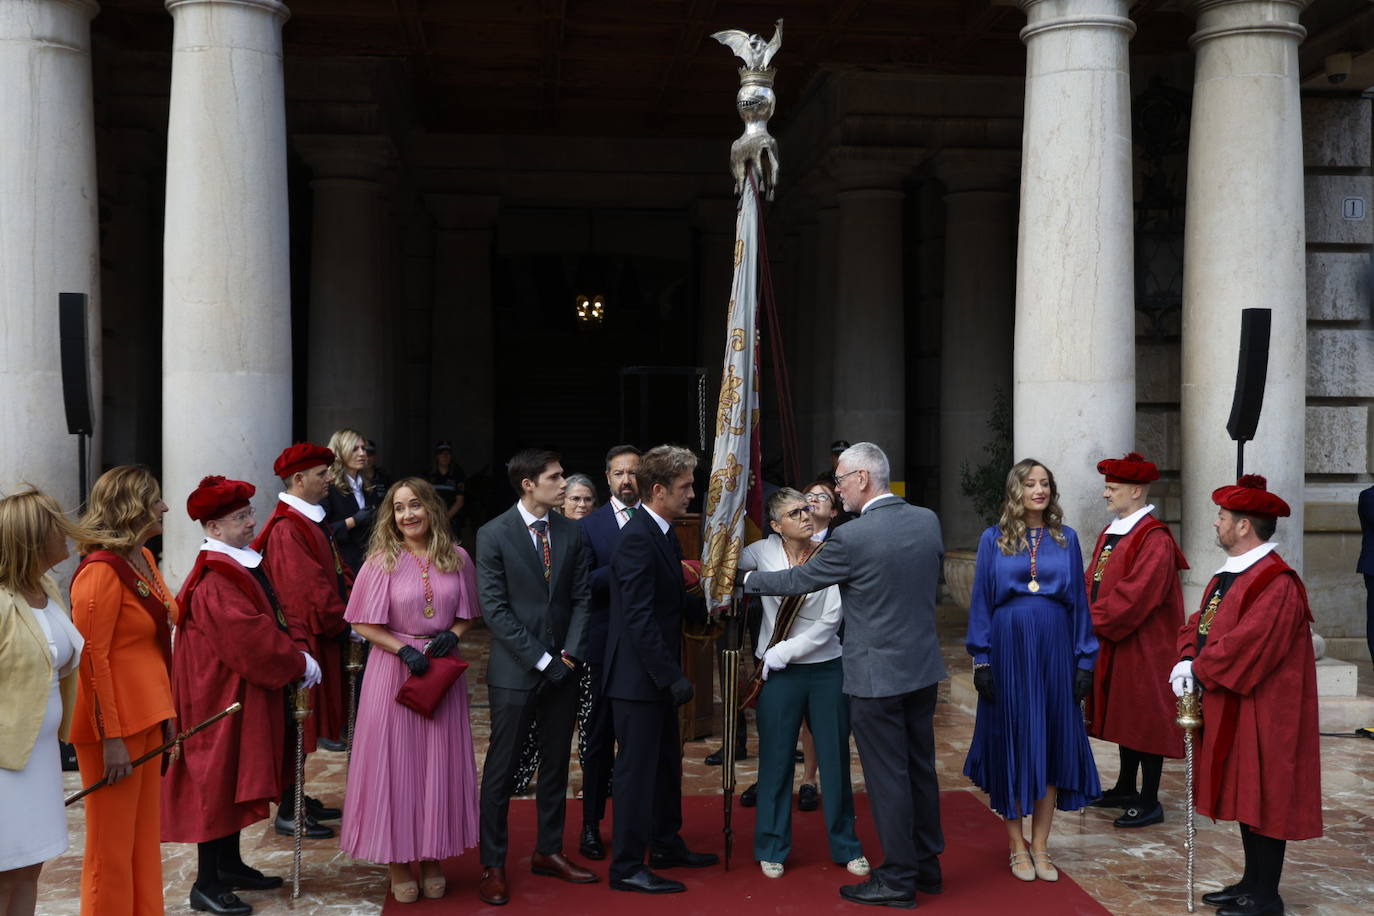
353,666
729,699
174,745
300,709
1189,719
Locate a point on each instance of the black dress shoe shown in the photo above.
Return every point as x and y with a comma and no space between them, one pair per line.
329,744
316,809
750,796
1245,905
249,879
932,887
808,799
1140,817
683,858
286,826
591,845
717,758
223,904
646,882
1228,894
1115,800
874,893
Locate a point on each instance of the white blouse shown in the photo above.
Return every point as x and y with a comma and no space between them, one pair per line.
815,632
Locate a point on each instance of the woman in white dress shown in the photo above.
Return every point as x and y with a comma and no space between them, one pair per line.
39,653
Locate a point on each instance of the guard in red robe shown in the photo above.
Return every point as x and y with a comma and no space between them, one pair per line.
1137,608
1248,650
231,645
312,583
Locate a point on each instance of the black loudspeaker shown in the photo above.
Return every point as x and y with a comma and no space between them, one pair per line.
1252,369
76,385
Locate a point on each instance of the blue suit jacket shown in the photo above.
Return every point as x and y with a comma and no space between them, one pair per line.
601,532
1366,564
644,636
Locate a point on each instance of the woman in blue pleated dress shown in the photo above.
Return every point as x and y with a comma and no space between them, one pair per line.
1031,638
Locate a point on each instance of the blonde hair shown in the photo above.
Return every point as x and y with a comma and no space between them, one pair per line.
342,444
387,542
1013,520
27,520
119,515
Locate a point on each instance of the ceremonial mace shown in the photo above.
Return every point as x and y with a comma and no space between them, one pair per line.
1189,719
353,666
300,709
157,751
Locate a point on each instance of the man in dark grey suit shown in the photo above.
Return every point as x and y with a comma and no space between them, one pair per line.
887,565
533,583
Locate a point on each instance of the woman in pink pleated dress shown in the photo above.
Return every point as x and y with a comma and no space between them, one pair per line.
412,781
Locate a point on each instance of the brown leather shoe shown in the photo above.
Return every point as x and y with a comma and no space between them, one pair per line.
560,866
492,887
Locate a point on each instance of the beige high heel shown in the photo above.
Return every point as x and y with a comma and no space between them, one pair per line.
1021,866
434,886
405,891
1044,866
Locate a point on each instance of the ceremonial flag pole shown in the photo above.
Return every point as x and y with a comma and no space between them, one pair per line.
734,493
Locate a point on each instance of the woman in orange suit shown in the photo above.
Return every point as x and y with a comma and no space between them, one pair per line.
124,694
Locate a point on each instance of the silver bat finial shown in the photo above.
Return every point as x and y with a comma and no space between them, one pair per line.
755,102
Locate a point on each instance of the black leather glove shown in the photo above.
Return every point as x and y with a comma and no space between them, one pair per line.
414,659
682,691
1082,683
557,672
982,682
442,644
363,517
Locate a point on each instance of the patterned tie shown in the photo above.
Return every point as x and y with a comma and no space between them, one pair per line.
541,528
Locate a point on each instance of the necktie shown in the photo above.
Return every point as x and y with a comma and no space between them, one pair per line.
629,512
541,528
675,543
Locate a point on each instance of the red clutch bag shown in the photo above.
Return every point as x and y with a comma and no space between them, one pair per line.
424,692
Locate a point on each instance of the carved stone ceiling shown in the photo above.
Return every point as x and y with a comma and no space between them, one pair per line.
645,68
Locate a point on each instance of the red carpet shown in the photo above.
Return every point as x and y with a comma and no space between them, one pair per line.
977,880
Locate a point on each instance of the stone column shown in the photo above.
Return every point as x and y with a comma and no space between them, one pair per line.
346,383
48,235
868,313
976,330
1243,247
226,339
463,369
1074,368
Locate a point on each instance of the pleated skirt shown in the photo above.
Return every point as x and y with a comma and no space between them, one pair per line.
1033,735
412,781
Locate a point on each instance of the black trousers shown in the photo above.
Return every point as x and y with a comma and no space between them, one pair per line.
600,755
1369,613
511,712
896,740
647,783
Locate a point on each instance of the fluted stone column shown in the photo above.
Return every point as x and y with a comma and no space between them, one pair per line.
48,235
1074,366
346,384
976,330
463,377
226,338
1243,247
869,311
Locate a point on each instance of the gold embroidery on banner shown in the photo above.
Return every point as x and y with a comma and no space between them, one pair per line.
739,253
727,478
737,340
1102,559
729,397
722,557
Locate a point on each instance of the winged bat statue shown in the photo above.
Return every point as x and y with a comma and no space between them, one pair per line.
755,102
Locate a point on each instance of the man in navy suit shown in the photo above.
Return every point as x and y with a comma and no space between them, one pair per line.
532,579
645,682
1366,564
602,532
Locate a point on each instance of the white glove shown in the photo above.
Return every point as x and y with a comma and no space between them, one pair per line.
773,661
1181,678
312,672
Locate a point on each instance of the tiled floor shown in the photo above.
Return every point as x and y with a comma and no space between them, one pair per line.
1130,872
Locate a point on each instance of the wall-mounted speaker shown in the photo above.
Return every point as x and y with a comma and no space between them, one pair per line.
1252,368
76,383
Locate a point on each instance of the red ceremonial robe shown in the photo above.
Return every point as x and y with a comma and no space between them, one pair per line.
1260,763
229,646
304,567
1136,617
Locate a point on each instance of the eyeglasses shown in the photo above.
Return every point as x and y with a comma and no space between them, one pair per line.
238,518
818,497
843,476
798,513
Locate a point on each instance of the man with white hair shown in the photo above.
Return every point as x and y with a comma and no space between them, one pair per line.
887,565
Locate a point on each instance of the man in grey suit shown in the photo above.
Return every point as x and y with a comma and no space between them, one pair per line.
887,565
533,581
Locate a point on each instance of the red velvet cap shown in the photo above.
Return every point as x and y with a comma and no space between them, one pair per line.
1132,468
301,457
217,497
1251,496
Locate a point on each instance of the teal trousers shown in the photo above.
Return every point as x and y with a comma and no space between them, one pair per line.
811,692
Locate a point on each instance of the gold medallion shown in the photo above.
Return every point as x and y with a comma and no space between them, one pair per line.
1034,586
142,588
429,610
